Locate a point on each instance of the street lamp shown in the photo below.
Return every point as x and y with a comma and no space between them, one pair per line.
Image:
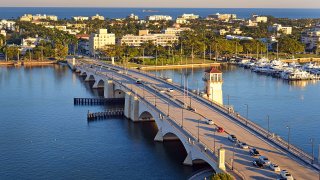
198,129
288,136
182,118
268,119
168,109
234,144
247,110
312,149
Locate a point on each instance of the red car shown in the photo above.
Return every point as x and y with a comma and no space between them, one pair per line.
220,130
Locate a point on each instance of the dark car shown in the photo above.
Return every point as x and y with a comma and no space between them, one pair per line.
257,163
254,152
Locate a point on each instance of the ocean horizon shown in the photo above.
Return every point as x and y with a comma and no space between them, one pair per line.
118,12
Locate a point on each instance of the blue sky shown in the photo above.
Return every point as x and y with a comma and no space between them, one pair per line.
165,3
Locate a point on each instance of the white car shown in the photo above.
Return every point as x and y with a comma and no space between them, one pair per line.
209,121
285,174
264,160
274,167
170,90
243,145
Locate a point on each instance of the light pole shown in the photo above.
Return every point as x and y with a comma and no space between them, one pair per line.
312,149
214,141
288,127
182,118
234,144
268,119
198,129
168,109
247,110
228,99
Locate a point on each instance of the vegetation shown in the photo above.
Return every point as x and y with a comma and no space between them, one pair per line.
221,176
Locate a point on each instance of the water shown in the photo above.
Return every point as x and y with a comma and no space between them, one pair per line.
44,136
14,12
293,104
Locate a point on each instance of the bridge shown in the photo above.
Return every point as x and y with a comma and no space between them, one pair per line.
180,115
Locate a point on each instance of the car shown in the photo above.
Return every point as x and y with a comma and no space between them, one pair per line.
170,90
161,91
220,130
243,145
285,174
264,160
232,138
254,152
209,121
257,163
138,81
274,167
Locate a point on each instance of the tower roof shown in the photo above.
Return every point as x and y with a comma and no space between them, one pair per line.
213,70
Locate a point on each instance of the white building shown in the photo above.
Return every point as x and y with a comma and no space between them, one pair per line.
26,17
222,17
189,16
98,17
45,17
280,29
175,31
144,36
259,19
236,31
311,38
8,25
159,18
230,37
100,40
80,18
133,17
181,21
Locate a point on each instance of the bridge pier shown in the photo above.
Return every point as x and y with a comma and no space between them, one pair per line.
108,89
159,136
188,160
131,107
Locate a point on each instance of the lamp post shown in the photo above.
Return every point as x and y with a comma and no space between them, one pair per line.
228,99
312,149
268,119
168,109
288,127
234,144
182,118
247,110
198,129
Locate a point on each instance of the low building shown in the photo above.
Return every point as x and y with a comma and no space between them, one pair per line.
80,18
3,32
251,23
236,31
133,17
220,32
26,17
278,28
221,17
259,19
145,36
189,16
98,17
8,25
174,30
181,21
100,40
45,17
159,18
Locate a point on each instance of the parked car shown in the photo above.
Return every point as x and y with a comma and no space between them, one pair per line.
138,81
264,160
254,152
170,90
257,163
243,145
286,174
232,138
274,167
209,121
220,130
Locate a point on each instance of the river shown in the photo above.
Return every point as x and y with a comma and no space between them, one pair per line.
44,136
292,104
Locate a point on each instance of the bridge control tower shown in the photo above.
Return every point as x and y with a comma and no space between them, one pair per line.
213,82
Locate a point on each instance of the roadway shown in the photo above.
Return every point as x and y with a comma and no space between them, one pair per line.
208,134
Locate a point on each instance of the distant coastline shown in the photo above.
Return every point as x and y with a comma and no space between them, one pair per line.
68,12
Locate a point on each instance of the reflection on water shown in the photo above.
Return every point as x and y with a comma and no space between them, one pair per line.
287,103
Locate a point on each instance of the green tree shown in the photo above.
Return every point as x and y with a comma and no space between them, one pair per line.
288,45
221,176
61,50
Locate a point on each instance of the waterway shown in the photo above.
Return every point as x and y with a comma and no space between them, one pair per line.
292,104
44,136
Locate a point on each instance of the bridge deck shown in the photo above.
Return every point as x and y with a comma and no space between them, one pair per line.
243,161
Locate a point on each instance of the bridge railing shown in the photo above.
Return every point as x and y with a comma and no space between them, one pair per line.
294,150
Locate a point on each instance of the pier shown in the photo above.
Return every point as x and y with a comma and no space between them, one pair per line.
106,114
97,101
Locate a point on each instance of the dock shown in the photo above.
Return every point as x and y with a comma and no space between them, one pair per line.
105,115
97,101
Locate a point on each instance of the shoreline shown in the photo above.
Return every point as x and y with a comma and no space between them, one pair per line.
149,68
27,63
